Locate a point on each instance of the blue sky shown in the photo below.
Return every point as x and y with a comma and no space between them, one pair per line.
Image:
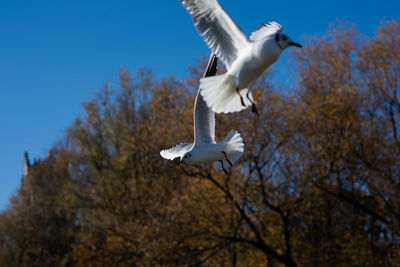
56,54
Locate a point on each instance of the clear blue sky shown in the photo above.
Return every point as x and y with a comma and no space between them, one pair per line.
56,54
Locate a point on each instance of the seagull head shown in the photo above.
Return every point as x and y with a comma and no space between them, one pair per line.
284,41
186,157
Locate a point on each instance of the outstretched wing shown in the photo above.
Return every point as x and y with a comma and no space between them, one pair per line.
267,29
219,31
204,117
176,151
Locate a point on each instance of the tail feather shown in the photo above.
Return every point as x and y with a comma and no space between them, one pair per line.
221,96
233,146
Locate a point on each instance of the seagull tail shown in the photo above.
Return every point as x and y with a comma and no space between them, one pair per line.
220,94
233,146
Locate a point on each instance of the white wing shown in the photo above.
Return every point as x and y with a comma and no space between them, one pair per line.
176,151
219,31
265,30
204,117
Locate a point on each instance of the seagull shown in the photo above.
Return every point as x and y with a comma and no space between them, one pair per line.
205,149
245,59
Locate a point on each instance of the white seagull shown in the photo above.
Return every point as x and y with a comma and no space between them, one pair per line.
245,59
205,149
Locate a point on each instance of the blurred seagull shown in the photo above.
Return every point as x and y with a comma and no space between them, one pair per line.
245,59
204,149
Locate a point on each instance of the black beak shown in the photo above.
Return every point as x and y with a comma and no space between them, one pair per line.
295,44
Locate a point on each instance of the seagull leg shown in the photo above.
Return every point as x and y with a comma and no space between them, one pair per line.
253,105
254,109
241,98
226,157
222,164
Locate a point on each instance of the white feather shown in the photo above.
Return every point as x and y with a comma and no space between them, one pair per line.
204,121
265,30
221,96
219,31
233,146
176,151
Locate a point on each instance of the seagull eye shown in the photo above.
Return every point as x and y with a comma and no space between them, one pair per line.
284,38
185,157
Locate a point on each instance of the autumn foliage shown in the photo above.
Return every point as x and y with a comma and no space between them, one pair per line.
318,185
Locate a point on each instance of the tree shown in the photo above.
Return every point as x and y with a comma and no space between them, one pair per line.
39,227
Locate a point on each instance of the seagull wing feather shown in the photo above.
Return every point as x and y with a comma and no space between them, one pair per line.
219,31
204,117
176,151
267,29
